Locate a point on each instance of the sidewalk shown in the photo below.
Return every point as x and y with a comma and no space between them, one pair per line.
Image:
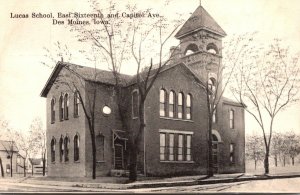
119,183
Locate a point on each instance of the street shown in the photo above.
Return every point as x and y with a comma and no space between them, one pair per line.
275,185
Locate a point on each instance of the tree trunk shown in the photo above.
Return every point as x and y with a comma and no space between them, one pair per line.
44,163
266,161
11,168
284,160
93,154
275,159
293,160
133,163
31,169
255,162
210,170
1,168
24,166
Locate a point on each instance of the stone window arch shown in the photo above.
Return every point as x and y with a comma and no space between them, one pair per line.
212,48
190,49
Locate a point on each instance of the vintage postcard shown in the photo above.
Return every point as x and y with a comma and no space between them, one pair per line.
153,96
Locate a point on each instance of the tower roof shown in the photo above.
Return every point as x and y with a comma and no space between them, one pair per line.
200,19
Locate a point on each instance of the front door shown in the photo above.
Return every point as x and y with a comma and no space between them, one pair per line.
119,160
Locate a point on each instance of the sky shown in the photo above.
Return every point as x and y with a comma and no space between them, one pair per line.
22,75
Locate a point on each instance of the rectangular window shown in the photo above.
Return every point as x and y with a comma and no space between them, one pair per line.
180,148
188,147
100,148
162,146
135,104
171,147
231,153
175,145
7,168
231,119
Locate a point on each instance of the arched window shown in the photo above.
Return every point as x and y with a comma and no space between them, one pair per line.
52,110
212,84
66,107
53,143
171,104
61,108
61,149
163,102
192,48
180,105
76,104
66,146
212,48
76,148
188,106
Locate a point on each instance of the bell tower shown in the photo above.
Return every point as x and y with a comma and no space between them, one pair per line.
200,43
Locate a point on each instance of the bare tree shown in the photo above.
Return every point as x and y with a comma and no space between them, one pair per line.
217,75
255,149
267,83
38,138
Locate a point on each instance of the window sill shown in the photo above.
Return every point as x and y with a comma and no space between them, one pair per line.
100,161
77,161
176,119
134,118
178,162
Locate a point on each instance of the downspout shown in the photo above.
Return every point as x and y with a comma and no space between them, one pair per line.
145,118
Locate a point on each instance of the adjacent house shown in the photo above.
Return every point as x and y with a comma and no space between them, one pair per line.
8,156
175,140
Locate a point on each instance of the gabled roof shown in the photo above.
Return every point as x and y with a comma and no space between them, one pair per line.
88,74
166,68
232,102
200,19
7,145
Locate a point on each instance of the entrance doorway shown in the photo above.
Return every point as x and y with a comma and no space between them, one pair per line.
119,157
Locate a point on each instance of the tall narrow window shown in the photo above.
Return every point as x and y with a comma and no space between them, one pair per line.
188,147
180,148
53,143
7,168
53,110
61,149
162,100
189,106
180,105
100,147
231,119
171,104
76,104
214,117
66,107
171,147
162,144
231,153
76,148
135,104
212,84
66,147
61,108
